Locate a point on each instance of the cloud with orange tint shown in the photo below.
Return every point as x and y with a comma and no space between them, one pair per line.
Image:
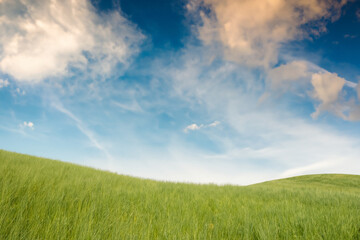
354,112
252,31
287,73
327,87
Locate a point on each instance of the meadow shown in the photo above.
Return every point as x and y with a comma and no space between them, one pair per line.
48,199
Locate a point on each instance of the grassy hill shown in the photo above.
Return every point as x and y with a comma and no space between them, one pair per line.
46,199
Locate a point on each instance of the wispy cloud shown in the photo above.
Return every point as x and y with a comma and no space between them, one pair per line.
86,131
132,106
311,168
214,124
18,130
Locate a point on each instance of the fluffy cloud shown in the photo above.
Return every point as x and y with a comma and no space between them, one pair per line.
252,31
327,87
4,83
194,126
298,76
42,39
29,125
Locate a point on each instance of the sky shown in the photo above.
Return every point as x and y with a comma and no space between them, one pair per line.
201,91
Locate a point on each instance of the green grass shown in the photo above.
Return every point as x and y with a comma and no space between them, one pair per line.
46,199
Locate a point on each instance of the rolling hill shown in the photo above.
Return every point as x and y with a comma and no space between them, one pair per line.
48,199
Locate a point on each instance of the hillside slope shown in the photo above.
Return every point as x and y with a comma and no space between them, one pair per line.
46,199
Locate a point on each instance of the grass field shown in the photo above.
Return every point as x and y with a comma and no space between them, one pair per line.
46,199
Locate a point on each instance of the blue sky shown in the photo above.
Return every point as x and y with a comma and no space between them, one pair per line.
219,91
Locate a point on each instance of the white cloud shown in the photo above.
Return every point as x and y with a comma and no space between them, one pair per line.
194,126
214,124
4,83
20,92
351,84
133,106
29,124
252,31
42,39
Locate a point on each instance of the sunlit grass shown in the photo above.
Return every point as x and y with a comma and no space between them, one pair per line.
45,199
